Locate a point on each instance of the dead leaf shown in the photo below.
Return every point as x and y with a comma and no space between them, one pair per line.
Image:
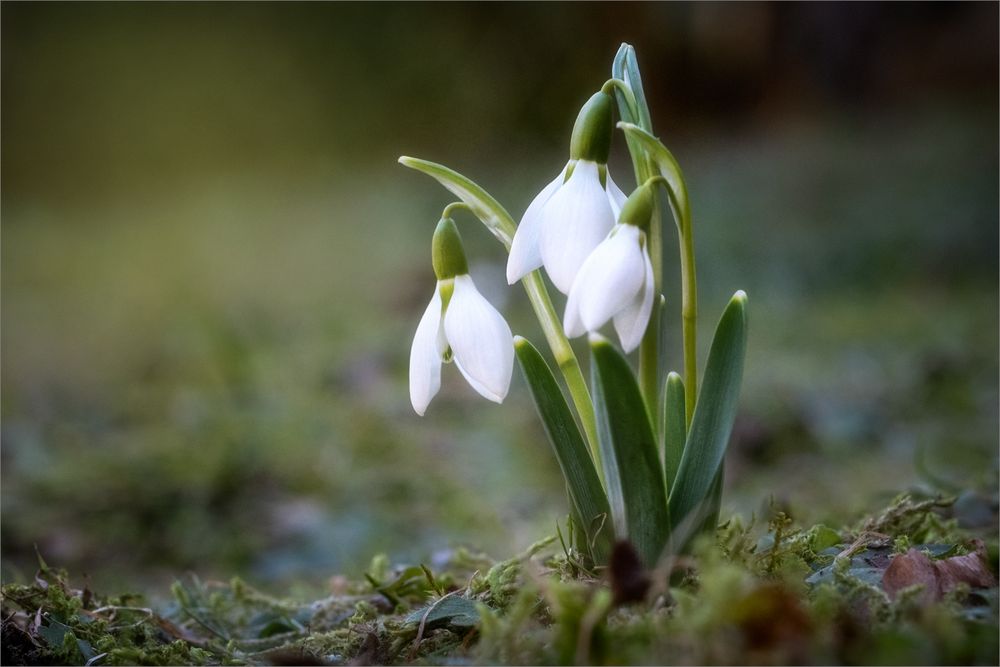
972,569
938,576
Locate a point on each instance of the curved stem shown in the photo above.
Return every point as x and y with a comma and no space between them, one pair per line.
663,162
623,87
649,348
446,213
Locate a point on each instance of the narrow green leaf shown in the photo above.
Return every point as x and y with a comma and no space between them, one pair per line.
632,467
674,427
494,216
667,165
714,414
626,67
586,493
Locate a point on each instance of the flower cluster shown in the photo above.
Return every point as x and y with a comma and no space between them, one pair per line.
592,242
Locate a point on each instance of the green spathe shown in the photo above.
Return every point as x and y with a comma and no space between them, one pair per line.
592,131
447,253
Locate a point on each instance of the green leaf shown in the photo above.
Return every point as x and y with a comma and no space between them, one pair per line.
668,167
450,611
626,67
586,493
629,450
674,427
494,216
714,414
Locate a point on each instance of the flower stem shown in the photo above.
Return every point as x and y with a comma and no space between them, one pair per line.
689,316
663,164
567,361
612,84
649,348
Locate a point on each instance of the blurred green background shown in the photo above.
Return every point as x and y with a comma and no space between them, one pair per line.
212,265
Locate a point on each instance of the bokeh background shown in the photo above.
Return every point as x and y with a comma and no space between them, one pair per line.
212,265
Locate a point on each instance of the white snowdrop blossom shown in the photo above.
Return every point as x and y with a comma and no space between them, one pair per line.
569,217
615,282
564,223
459,325
479,338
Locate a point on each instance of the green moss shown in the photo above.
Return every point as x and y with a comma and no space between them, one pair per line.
777,594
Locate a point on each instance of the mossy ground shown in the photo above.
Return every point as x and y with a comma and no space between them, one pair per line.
771,592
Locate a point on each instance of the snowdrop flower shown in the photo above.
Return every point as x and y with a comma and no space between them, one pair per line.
570,216
460,325
616,280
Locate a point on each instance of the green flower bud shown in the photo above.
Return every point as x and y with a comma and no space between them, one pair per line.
592,132
638,208
447,253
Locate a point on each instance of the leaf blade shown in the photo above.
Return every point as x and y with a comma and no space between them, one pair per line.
586,492
487,209
629,452
674,427
712,423
626,67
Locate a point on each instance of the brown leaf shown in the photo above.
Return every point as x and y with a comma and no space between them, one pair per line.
938,577
972,569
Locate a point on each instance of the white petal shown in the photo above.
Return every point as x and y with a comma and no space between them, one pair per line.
525,255
611,277
631,322
572,324
480,339
425,357
574,221
615,196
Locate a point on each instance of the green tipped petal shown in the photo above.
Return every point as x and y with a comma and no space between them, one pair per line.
447,253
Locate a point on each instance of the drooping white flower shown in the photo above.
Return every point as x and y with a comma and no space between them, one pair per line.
571,215
615,282
459,325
